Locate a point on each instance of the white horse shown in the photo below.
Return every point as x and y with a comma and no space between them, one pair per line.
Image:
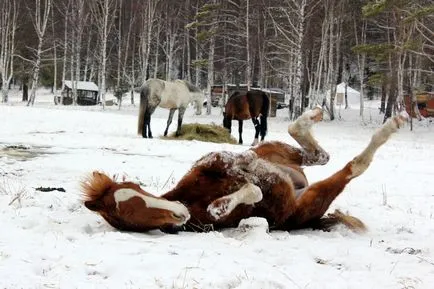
172,95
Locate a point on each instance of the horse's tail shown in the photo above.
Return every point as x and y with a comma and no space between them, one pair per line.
264,113
144,96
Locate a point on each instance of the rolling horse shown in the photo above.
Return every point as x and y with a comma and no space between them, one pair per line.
223,188
173,95
252,104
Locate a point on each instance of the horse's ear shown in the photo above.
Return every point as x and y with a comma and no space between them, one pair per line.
93,205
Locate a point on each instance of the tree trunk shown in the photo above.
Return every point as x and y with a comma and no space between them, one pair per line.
248,62
8,27
210,82
392,89
40,24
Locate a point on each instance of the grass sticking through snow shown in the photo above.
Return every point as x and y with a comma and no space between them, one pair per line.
204,132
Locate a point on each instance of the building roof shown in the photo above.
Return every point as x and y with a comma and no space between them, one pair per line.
82,85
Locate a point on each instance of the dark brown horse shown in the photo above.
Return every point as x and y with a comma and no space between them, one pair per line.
244,105
223,188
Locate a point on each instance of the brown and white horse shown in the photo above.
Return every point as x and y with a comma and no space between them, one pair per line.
223,188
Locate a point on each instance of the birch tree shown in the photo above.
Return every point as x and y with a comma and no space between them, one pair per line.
8,27
147,25
361,59
288,21
103,15
40,20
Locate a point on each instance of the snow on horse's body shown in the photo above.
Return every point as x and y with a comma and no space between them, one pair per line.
224,187
172,95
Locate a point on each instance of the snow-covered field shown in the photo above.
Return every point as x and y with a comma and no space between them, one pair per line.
50,240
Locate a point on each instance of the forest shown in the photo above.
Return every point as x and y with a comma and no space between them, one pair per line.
384,48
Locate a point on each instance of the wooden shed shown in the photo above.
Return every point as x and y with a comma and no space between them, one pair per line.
87,93
425,104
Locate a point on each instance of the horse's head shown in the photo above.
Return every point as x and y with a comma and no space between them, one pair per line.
197,96
198,103
227,121
127,207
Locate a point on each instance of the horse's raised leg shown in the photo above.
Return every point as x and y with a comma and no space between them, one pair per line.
312,153
248,194
257,130
169,120
240,131
316,199
181,111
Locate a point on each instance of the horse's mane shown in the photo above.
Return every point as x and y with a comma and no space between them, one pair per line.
95,185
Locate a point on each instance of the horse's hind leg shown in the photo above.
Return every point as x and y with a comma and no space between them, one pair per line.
248,194
148,114
257,129
181,111
169,120
300,130
310,152
316,199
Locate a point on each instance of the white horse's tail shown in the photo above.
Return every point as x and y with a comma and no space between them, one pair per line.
144,96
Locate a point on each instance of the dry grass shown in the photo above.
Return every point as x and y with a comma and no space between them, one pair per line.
204,132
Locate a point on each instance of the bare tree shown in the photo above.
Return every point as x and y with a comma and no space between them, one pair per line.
103,15
40,20
288,20
361,60
8,27
148,19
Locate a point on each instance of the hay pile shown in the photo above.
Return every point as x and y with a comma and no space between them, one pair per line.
204,132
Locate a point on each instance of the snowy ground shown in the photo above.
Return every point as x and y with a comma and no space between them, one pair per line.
49,240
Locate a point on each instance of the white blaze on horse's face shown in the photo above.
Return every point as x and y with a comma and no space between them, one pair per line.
179,211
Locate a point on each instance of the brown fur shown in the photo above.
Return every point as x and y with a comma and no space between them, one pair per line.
252,104
272,167
98,189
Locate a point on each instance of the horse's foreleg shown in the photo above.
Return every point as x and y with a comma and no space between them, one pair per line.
316,199
257,129
240,131
181,112
169,120
248,194
300,130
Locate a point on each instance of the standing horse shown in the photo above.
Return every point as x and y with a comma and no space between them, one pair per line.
173,95
251,104
223,188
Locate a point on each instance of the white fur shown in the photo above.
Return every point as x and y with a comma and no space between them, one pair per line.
123,195
175,94
249,194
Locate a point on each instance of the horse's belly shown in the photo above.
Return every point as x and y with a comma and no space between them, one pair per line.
242,116
169,103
